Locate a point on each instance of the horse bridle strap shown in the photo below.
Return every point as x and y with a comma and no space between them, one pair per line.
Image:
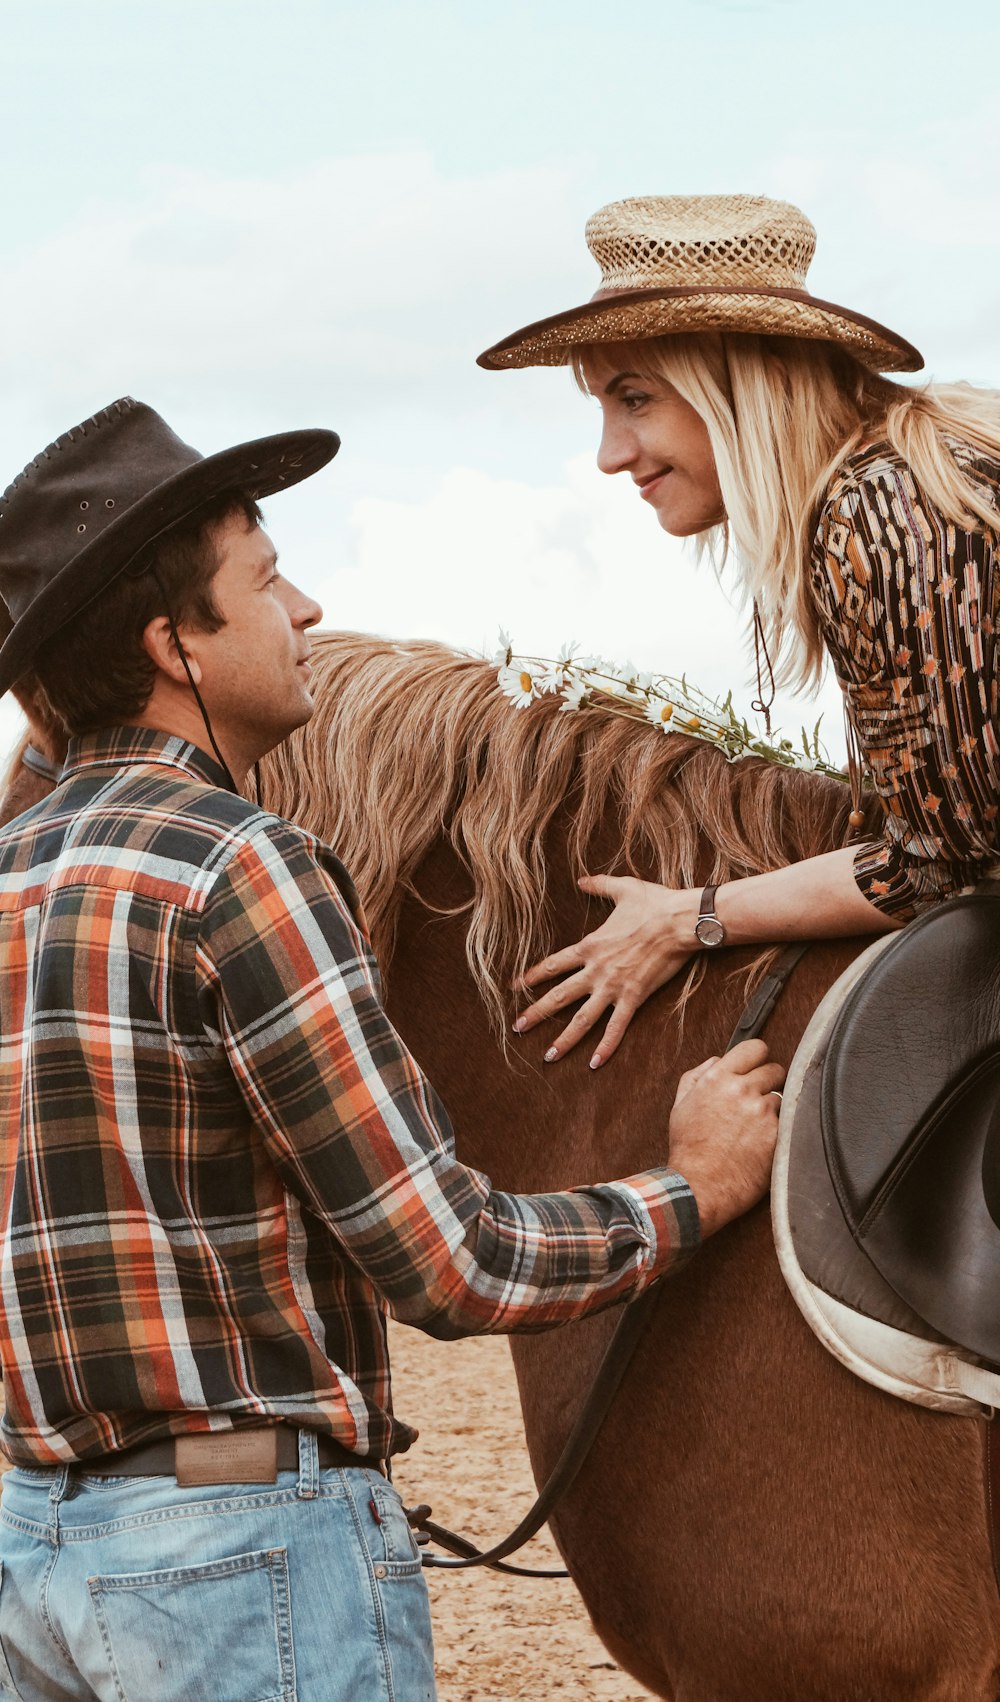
614,1364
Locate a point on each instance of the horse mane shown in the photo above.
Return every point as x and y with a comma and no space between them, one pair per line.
410,742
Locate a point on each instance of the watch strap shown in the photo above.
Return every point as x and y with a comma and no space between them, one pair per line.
706,905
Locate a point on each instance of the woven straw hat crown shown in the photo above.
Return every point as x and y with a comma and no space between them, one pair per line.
701,239
693,263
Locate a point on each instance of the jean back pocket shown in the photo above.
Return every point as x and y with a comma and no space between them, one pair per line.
216,1632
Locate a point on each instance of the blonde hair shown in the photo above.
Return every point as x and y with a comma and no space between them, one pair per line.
782,413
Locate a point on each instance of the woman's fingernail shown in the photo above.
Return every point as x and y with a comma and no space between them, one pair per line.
551,1054
519,1025
596,1061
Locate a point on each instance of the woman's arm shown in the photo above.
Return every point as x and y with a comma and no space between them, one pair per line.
650,937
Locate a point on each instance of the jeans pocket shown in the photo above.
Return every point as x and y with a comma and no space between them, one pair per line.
392,1544
7,1686
218,1632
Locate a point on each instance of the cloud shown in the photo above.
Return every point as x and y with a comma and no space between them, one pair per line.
370,268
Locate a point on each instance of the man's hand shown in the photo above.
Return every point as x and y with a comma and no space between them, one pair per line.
722,1131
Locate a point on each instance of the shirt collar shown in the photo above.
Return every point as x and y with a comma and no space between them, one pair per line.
126,747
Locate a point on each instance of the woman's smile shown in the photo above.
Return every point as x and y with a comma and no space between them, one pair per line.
650,485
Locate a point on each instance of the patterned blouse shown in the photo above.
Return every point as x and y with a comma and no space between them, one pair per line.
908,606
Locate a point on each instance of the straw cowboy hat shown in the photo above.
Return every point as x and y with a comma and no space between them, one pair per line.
88,507
701,263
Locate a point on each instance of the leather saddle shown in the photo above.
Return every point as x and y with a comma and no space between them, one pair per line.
908,1101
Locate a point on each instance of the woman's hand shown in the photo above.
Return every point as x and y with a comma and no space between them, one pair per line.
650,937
646,941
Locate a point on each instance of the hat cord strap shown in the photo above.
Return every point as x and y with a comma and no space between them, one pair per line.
763,703
182,653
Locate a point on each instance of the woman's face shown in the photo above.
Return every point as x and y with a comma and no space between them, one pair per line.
650,432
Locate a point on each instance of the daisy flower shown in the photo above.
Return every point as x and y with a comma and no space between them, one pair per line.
521,682
659,713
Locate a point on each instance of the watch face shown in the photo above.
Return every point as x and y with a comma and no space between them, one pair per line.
710,931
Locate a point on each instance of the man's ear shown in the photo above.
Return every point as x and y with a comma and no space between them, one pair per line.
158,642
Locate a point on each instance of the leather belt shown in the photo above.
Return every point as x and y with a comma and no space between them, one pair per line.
254,1454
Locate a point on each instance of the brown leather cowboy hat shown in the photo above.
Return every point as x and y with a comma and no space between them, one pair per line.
91,503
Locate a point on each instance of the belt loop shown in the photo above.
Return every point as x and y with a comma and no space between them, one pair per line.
308,1465
57,1493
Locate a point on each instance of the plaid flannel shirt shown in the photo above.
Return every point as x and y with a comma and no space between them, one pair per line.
220,1164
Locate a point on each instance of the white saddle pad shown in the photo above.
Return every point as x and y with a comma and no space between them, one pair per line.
890,1356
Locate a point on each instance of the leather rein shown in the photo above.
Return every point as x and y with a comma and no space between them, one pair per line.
615,1362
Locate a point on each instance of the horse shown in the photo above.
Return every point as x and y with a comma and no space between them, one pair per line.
753,1524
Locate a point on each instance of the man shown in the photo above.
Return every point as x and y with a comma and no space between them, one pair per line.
221,1165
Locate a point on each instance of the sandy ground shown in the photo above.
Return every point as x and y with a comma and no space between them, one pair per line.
495,1637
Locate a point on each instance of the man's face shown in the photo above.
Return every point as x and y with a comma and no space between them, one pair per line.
255,670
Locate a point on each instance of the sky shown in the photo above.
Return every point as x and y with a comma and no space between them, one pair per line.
257,217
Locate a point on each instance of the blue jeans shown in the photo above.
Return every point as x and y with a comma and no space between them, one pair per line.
129,1589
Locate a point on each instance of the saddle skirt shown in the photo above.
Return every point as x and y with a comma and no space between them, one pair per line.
887,1159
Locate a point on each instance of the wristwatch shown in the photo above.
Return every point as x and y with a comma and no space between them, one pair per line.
708,929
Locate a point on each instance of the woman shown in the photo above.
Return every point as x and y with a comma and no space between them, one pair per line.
864,516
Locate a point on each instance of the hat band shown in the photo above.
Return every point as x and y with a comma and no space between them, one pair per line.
656,292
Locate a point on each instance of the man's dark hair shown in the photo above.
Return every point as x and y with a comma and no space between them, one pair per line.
96,672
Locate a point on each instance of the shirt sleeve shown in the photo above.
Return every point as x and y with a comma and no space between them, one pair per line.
359,1136
907,602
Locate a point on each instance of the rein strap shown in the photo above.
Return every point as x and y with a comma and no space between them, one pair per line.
757,1012
614,1364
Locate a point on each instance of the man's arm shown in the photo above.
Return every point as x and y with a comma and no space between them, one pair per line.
359,1135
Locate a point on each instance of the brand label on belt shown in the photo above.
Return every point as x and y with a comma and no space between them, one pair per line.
239,1456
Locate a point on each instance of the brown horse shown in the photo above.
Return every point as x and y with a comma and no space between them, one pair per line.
753,1524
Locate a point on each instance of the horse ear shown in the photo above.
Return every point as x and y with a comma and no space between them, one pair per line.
45,727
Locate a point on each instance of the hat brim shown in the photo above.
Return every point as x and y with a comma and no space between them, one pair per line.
262,467
631,315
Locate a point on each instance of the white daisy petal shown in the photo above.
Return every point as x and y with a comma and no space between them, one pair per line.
574,693
502,656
